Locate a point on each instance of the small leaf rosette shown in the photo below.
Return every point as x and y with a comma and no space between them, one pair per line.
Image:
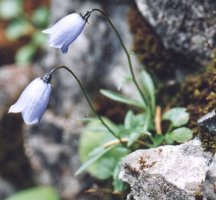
33,101
65,31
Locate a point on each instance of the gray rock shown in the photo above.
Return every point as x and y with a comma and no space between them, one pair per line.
52,149
166,172
207,122
209,186
183,25
13,80
14,165
6,188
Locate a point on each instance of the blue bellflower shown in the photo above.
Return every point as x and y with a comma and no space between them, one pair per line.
33,101
65,31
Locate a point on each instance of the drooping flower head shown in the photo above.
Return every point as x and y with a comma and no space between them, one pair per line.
34,100
66,30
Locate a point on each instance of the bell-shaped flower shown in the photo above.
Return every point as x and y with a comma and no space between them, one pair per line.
65,31
33,101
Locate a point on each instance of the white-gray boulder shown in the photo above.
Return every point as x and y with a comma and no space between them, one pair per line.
167,172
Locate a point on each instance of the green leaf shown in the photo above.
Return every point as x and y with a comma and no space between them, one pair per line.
182,134
95,155
118,185
102,165
102,161
39,39
169,138
148,120
96,151
135,126
133,137
119,98
133,121
98,127
177,116
10,9
36,193
25,54
157,140
148,88
18,28
40,17
127,132
128,120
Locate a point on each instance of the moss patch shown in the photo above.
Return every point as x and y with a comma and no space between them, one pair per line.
198,94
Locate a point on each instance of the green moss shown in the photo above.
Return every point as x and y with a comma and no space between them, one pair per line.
148,46
198,94
198,195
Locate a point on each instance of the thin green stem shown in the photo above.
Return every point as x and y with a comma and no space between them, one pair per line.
87,98
125,50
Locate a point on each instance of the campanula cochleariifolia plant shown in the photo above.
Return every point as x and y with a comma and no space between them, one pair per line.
104,143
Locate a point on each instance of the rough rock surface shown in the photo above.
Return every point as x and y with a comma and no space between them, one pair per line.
6,189
167,172
14,164
52,150
12,80
209,186
182,24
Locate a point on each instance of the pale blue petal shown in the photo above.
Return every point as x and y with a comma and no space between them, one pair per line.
16,108
24,97
35,109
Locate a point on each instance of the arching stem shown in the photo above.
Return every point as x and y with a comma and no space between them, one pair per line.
87,15
87,98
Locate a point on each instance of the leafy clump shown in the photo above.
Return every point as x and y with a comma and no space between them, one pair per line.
142,127
178,117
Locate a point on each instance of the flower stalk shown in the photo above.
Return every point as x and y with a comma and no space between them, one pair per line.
87,99
66,30
123,46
